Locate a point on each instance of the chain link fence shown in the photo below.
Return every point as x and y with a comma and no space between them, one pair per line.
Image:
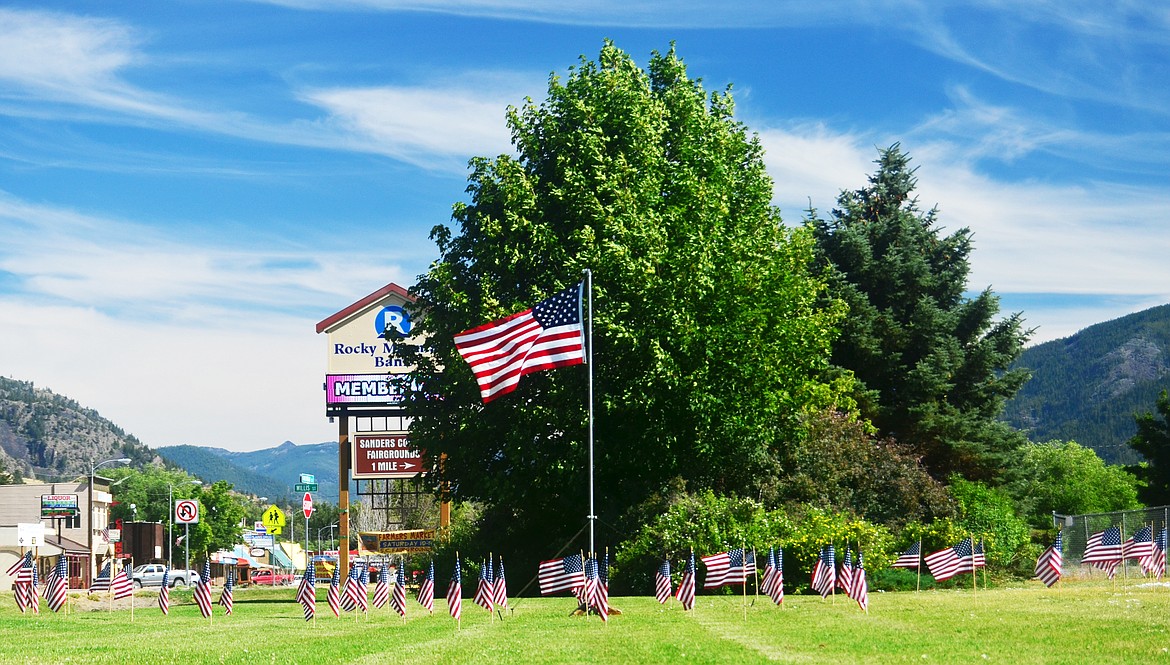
1078,528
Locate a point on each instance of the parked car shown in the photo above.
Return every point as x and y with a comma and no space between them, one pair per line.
270,578
151,574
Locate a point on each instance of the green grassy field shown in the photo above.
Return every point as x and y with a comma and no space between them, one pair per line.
1081,622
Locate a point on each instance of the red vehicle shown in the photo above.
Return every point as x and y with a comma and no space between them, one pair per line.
270,578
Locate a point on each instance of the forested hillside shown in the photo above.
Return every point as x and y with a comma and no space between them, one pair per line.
1088,387
270,472
45,435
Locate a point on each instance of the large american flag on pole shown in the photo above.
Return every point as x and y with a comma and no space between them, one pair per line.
662,582
545,336
950,561
686,588
1050,565
565,574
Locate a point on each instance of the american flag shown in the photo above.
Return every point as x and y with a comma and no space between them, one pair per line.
57,584
123,586
399,600
824,573
307,592
353,589
545,336
1155,563
565,574
106,535
501,586
426,591
769,572
911,558
1050,565
485,591
363,596
978,560
33,596
23,572
776,591
728,567
227,598
21,562
164,593
202,591
1140,544
860,586
603,588
1103,550
592,596
455,592
662,588
686,588
950,561
101,583
382,589
845,578
334,595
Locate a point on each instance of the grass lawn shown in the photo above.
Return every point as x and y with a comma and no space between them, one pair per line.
1078,622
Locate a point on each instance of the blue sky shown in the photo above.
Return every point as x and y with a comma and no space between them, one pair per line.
186,188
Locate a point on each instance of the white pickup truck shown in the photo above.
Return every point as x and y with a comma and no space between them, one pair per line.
151,574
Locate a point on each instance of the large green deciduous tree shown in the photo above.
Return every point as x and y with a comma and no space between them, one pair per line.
933,363
710,332
1067,478
1153,442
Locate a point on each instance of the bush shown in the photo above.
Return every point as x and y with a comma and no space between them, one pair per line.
990,514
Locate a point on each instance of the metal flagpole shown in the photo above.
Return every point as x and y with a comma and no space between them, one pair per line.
589,363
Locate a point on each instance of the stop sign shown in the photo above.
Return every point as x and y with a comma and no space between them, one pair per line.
307,505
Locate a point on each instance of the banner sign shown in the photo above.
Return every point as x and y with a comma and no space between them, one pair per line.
385,455
59,505
398,542
361,389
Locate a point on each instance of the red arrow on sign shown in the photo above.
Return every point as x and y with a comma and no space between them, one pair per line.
307,505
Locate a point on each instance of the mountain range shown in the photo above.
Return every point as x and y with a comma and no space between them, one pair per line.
1086,388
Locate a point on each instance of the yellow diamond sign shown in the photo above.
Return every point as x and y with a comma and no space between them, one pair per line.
273,519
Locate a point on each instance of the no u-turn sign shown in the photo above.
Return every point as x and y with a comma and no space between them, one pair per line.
186,511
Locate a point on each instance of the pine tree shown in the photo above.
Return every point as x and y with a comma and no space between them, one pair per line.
932,363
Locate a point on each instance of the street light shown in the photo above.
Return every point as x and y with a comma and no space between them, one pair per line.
171,526
92,468
330,527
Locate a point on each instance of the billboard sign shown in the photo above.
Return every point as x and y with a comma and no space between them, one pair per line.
59,505
398,542
385,455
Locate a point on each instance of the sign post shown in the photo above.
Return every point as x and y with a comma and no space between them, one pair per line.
187,513
307,509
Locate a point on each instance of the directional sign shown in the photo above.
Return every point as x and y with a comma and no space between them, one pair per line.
385,455
307,505
186,511
273,519
305,487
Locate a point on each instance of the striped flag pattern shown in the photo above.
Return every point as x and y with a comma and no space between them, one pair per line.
501,598
202,591
455,592
57,584
686,588
101,583
910,558
227,597
382,589
307,591
334,595
545,336
426,591
845,578
662,588
950,561
399,600
1050,565
164,593
825,571
1155,563
565,574
123,586
485,591
860,587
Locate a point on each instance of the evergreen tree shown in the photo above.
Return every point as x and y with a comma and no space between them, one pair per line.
1153,442
710,334
932,363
